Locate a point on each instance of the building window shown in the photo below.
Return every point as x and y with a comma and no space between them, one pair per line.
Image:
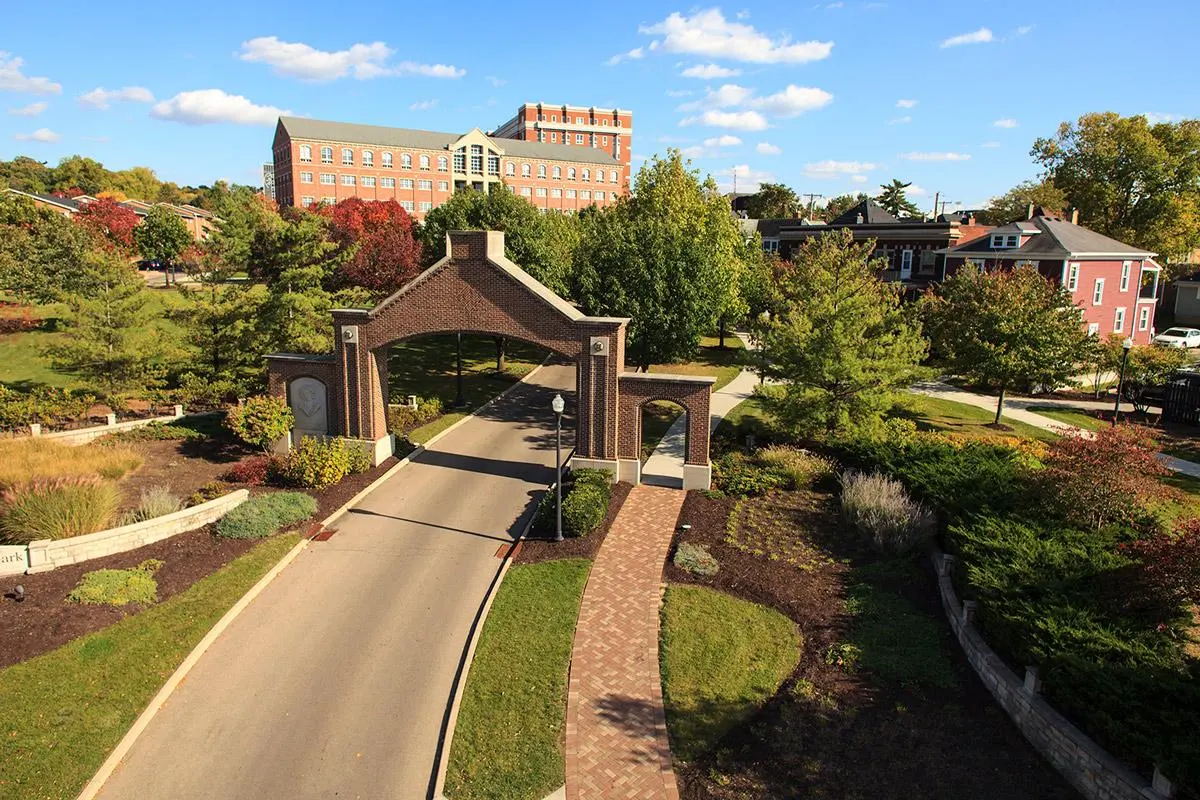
425,205
1144,318
306,177
526,191
541,191
443,186
526,170
554,137
425,185
510,169
1126,266
541,136
579,138
570,173
599,195
347,180
406,183
570,194
387,183
612,176
557,173
556,192
1098,292
599,176
587,175
367,180
387,160
585,195
1119,321
305,152
476,158
493,165
326,155
620,124
442,164
554,117
424,162
328,178
579,120
460,160
347,156
1093,329
329,200
604,140
407,205
405,161
306,201
1073,278
368,158
906,260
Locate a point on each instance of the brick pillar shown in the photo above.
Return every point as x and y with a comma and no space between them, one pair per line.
352,375
601,360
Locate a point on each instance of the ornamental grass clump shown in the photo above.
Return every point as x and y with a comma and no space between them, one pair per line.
27,460
56,509
265,515
878,506
157,501
800,469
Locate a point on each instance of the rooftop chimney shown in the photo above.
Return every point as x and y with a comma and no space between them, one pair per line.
858,220
1074,216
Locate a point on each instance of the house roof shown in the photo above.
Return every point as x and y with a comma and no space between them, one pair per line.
299,128
1051,237
872,214
61,202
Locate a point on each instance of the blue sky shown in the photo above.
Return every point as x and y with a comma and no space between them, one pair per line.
829,98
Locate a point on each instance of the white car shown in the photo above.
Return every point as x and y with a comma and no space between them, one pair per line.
1179,337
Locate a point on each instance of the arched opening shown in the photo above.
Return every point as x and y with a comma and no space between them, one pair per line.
663,436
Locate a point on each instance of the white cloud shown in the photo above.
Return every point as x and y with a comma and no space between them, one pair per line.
858,178
737,120
40,135
838,4
748,180
708,33
1154,118
209,106
725,140
680,93
902,103
729,94
423,105
1005,123
793,101
900,120
743,14
990,145
632,55
13,80
100,98
709,72
767,149
935,156
31,110
1024,29
974,37
299,60
824,170
916,191
494,81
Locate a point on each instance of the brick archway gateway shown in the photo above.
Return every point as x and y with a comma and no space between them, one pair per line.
476,289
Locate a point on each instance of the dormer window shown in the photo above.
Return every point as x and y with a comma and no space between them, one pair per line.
1006,241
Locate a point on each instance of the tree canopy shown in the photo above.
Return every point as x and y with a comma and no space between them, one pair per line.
893,199
1014,204
381,253
840,204
773,201
162,236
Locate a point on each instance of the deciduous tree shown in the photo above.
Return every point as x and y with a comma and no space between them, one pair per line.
381,254
838,205
162,235
110,221
773,201
1014,204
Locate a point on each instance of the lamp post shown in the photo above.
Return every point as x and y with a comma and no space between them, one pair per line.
1126,345
459,402
558,405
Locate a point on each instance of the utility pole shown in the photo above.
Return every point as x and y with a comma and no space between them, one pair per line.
811,196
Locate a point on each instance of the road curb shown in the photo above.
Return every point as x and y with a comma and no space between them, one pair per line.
93,786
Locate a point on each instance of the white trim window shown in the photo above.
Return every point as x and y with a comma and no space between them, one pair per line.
386,160
541,170
570,173
599,195
556,193
570,194
1072,277
424,206
1119,321
612,176
526,171
424,162
1098,292
367,181
557,173
587,176
405,161
1126,267
347,157
906,259
1144,318
1093,329
579,138
585,194
368,158
553,137
407,205
306,201
443,186
510,169
347,180
526,191
599,176
387,183
406,183
328,179
541,191
326,155
306,152
306,177
425,186
443,164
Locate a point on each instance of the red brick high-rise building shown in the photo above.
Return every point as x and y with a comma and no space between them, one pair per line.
573,158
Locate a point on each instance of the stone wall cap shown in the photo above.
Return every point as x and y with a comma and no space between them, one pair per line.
665,377
608,320
322,357
358,312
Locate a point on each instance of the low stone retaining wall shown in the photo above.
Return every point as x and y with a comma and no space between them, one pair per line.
47,554
1086,765
85,435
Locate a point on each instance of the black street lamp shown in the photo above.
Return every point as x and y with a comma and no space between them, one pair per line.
558,405
1126,345
459,402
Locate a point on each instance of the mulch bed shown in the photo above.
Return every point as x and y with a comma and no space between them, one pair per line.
183,466
533,550
847,735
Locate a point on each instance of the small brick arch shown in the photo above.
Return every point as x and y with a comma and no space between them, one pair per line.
476,289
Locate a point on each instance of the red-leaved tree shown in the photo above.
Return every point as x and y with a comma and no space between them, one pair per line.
110,220
1103,477
384,253
1170,563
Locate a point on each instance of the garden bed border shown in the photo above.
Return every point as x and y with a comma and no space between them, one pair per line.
79,436
47,554
1095,773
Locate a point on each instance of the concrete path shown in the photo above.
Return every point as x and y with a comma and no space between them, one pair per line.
336,681
616,729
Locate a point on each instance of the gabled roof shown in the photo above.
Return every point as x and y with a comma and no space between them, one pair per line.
870,211
54,200
1050,237
299,128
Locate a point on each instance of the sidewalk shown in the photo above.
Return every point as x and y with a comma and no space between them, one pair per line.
616,728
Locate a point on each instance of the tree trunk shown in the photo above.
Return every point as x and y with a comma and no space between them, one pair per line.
1000,404
501,347
721,333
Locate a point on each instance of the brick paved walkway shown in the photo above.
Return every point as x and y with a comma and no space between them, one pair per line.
616,737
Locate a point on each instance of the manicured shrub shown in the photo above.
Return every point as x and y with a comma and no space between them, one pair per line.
402,419
318,463
260,421
160,431
596,477
209,491
878,506
26,460
265,515
255,470
118,587
584,508
157,501
696,559
1170,563
44,405
56,509
736,475
797,468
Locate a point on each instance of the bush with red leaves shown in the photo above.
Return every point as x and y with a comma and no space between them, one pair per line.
1170,563
254,471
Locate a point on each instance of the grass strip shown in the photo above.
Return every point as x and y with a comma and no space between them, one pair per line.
721,658
508,742
63,712
1070,416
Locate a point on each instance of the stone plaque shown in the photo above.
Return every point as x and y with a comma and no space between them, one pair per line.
309,401
13,559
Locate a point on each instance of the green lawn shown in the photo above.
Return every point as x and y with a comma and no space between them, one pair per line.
426,367
508,743
63,712
721,658
961,419
1070,416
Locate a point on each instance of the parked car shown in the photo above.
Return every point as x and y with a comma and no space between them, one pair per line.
1179,337
149,263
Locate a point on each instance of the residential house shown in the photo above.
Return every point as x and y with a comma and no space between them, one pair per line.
1115,285
59,205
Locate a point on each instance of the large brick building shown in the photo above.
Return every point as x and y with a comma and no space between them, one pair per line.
320,161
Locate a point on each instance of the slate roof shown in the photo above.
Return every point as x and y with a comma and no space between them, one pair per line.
1055,238
301,128
872,214
63,202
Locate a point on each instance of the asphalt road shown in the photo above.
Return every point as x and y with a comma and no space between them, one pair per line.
336,680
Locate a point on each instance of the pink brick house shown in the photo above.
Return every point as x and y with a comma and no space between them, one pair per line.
1113,284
